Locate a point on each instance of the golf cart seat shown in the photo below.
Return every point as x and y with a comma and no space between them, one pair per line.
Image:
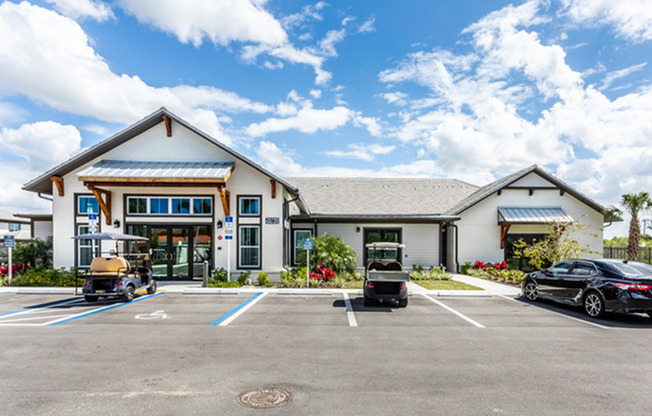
101,266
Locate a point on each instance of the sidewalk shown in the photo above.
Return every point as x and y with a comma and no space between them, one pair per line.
490,286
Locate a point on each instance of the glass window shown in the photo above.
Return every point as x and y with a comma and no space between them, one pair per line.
583,269
159,205
203,206
249,243
87,205
137,205
299,236
86,249
561,268
14,226
516,261
181,205
249,206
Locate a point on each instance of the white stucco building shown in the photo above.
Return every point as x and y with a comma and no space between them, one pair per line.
166,180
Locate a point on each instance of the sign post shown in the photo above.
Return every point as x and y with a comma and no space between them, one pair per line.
228,224
9,243
308,244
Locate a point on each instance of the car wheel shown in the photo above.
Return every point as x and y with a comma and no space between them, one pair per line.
594,304
403,303
91,298
128,294
152,287
531,291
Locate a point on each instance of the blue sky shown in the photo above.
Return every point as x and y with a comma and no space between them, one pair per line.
472,90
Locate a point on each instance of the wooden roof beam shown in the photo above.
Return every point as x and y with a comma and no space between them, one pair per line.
104,200
225,196
168,124
58,182
273,183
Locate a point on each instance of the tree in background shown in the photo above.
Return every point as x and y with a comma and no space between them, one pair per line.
633,204
33,253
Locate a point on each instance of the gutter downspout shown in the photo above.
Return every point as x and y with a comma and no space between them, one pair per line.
457,263
286,239
45,197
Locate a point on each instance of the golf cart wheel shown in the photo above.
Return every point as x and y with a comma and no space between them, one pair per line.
152,288
403,303
128,294
90,299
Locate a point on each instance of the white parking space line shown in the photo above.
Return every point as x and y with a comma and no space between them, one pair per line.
556,313
349,310
239,310
448,308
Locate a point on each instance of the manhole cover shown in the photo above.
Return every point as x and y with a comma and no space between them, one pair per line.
264,398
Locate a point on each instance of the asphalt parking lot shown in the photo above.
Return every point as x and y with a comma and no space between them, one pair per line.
174,353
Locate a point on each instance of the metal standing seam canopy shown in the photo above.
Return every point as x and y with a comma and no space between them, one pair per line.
133,171
508,216
109,236
531,215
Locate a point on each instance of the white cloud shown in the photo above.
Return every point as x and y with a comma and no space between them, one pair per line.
76,9
307,120
621,73
632,19
42,144
362,151
514,101
48,58
221,22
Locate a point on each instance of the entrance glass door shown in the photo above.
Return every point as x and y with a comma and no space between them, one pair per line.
170,251
177,251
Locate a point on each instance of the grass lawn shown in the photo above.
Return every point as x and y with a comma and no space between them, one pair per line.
444,285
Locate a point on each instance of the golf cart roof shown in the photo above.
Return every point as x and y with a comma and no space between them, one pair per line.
109,236
384,245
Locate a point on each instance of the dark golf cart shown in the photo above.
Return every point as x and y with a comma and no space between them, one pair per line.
384,279
122,274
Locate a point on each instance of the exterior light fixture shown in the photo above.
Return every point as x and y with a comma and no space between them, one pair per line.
219,224
116,224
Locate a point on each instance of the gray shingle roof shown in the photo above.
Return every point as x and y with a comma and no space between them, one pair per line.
381,196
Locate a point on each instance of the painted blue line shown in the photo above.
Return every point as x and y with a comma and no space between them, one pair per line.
47,305
4,293
108,308
236,309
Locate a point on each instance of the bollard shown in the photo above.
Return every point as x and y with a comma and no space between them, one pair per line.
205,274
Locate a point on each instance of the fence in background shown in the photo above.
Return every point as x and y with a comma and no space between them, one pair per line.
644,253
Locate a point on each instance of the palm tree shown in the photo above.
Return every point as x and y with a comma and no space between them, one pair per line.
635,203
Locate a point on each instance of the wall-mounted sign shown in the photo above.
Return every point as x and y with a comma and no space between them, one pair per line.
228,222
272,220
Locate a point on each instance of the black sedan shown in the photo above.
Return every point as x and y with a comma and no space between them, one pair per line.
598,285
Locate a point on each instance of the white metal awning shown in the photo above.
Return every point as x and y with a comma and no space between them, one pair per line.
152,171
532,215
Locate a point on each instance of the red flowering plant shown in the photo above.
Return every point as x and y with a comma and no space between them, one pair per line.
322,273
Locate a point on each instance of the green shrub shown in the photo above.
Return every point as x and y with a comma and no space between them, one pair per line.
464,269
263,280
244,278
219,275
332,253
433,273
44,276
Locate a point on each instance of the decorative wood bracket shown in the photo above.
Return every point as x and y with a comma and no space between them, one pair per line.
168,124
226,200
58,182
504,229
273,183
104,200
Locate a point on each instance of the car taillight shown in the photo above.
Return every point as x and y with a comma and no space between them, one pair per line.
403,286
632,286
370,285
